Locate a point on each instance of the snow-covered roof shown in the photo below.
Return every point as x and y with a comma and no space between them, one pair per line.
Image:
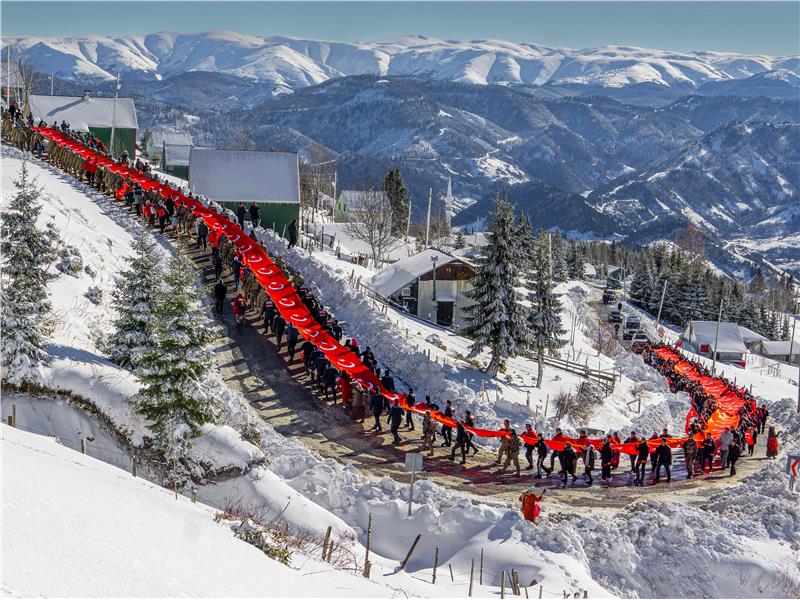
748,335
84,112
353,246
244,175
406,270
176,138
704,332
779,348
177,155
354,199
589,270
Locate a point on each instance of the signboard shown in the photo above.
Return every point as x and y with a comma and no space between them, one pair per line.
413,461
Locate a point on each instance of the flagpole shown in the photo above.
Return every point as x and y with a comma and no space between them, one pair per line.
114,117
428,223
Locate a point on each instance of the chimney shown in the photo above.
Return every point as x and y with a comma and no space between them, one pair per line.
87,94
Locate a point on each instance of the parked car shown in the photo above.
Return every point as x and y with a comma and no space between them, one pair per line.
639,341
608,296
613,284
632,325
614,316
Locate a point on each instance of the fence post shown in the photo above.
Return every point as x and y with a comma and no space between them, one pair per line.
194,494
451,573
325,542
133,466
471,571
480,574
435,563
546,402
541,589
528,398
10,420
14,414
83,445
366,557
502,584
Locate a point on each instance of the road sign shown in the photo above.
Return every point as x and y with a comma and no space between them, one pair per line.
413,461
793,468
413,464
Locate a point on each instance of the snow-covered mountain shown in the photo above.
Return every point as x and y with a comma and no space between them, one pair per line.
291,63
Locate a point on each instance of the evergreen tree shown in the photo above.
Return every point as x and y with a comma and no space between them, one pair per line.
135,300
749,316
544,315
459,242
27,252
559,249
576,263
525,243
495,316
175,395
399,201
642,282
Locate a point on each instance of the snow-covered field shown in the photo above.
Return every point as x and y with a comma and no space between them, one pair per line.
740,540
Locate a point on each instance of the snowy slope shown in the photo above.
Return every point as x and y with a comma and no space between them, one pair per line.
80,527
292,63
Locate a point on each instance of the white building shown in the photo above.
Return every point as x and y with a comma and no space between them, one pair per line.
700,337
431,285
154,144
778,350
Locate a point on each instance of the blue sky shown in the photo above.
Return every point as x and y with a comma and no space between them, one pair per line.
747,27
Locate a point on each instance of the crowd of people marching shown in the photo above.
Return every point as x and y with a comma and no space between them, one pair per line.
370,407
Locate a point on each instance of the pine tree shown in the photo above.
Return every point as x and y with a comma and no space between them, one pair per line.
175,395
525,243
495,316
576,263
135,300
642,282
544,315
399,201
459,242
559,250
27,252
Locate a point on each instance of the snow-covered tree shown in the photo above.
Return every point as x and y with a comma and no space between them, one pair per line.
576,261
459,242
495,317
642,282
27,252
544,315
135,300
175,394
559,250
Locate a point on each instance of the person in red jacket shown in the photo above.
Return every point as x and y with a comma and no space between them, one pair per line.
530,504
772,443
239,308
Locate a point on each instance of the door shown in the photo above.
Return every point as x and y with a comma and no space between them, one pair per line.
444,313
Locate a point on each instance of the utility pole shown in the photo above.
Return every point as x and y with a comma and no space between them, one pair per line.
661,305
8,78
433,260
550,253
408,220
791,351
716,339
114,117
428,223
51,84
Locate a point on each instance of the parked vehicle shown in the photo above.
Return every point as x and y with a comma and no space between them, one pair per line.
632,325
638,341
614,316
608,296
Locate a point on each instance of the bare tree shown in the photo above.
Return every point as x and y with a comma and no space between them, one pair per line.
369,221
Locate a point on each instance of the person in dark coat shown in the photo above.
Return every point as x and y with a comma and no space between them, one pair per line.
292,335
411,400
447,431
217,261
733,456
241,212
606,456
568,459
470,422
236,269
529,446
376,406
461,443
269,311
329,377
292,231
541,455
653,457
708,450
763,413
642,451
254,213
556,454
395,420
306,348
278,326
588,463
690,455
632,439
663,459
202,234
220,291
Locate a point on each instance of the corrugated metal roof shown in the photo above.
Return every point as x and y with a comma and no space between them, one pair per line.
244,175
84,112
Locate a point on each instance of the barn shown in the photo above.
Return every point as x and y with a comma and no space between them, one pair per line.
92,115
269,179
